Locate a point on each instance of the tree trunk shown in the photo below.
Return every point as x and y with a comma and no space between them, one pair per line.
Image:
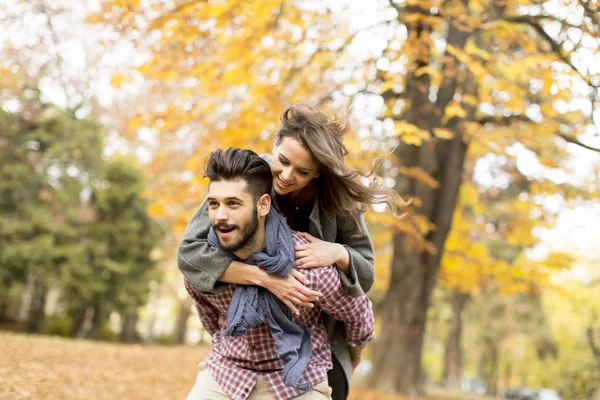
79,319
96,323
3,309
453,356
36,310
489,368
129,333
594,346
397,353
397,362
180,329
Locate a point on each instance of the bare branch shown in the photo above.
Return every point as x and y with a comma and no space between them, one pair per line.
577,142
534,22
505,121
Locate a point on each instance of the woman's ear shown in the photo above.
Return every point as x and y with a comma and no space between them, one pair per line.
264,205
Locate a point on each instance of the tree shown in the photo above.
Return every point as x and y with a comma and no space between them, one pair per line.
46,165
449,77
116,250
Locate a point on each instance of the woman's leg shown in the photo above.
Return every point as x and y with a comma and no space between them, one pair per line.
337,381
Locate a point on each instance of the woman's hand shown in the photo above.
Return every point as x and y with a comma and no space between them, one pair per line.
319,253
291,291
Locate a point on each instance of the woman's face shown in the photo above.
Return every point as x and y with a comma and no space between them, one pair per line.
293,167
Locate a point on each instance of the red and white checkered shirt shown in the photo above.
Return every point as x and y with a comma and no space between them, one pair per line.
236,362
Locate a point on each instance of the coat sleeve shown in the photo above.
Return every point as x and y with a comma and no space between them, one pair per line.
199,262
362,256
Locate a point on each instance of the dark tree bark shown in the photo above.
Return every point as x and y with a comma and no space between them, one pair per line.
489,367
453,356
96,323
129,333
79,318
36,310
180,329
398,350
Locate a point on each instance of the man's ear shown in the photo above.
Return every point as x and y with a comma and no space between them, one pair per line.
264,205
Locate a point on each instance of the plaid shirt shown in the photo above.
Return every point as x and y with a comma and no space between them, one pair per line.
236,362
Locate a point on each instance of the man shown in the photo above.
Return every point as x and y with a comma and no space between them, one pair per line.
259,350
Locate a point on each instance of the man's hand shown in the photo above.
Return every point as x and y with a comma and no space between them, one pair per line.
291,291
356,355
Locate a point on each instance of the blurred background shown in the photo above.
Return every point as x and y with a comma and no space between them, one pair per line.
487,111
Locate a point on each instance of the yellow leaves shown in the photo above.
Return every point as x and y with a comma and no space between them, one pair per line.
453,110
462,56
419,175
410,133
118,80
436,76
443,133
156,210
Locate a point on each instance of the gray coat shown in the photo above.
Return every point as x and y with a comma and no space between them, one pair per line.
202,265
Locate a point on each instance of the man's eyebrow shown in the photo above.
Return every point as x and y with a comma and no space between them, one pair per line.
225,199
301,168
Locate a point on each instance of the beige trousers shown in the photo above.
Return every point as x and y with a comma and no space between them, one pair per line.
206,388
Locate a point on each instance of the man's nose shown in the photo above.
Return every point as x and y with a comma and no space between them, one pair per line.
221,214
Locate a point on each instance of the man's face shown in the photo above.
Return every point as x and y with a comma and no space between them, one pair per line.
232,213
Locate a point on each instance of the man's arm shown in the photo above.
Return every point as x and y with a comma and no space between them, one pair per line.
355,311
209,315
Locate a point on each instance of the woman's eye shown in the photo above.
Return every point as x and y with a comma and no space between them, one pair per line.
304,173
284,162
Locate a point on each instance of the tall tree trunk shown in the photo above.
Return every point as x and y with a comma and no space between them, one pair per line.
453,356
3,309
36,310
397,362
79,319
593,331
397,354
129,333
489,367
180,329
96,323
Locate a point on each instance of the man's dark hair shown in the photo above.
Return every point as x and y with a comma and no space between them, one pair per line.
233,164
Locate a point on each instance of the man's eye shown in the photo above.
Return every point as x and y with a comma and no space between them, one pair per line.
213,205
284,162
234,204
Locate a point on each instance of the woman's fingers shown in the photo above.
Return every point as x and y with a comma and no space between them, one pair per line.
301,253
300,247
307,236
310,294
300,277
291,306
301,303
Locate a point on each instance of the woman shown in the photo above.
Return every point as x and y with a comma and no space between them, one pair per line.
319,195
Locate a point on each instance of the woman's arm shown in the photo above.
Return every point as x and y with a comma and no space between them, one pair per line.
208,268
361,256
354,256
199,262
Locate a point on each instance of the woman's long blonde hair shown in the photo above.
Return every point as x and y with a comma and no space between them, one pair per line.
338,185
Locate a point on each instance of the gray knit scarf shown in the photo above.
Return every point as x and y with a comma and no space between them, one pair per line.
252,305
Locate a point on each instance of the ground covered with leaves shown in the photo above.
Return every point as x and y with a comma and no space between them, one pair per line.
40,367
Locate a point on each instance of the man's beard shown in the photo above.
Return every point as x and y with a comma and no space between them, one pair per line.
248,233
